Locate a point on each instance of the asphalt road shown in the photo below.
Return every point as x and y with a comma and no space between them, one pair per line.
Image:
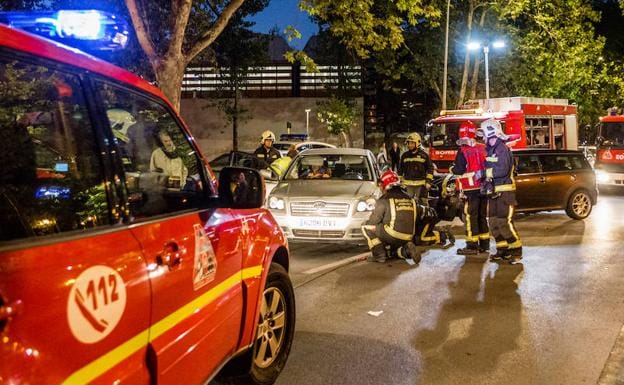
555,319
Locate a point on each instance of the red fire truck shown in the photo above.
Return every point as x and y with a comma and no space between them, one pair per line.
610,150
529,122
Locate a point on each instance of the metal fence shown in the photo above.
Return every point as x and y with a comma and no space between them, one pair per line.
273,81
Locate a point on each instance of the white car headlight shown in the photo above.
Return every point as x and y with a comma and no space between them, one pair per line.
368,205
276,203
602,176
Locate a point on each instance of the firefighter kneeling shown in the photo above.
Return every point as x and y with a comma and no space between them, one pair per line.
392,222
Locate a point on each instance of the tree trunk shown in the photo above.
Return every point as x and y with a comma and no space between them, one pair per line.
169,75
235,120
464,82
475,70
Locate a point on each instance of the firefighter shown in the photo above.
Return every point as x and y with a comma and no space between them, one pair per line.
266,153
392,221
425,234
470,167
416,169
500,187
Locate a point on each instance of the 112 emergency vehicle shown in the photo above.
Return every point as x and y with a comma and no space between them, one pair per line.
529,122
114,270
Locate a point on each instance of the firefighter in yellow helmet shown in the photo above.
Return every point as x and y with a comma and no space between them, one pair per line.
416,169
266,153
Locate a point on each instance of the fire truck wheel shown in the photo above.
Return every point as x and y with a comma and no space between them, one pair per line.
579,205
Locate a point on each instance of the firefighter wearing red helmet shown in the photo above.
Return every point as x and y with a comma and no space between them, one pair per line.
469,165
392,222
500,187
416,169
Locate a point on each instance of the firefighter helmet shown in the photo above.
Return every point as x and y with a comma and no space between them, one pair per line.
268,135
492,128
389,179
414,137
467,134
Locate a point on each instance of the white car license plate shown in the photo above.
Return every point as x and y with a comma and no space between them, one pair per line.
317,223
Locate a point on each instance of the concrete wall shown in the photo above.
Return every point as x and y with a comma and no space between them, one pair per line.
214,133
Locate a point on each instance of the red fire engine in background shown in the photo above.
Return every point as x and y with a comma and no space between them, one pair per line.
529,122
610,150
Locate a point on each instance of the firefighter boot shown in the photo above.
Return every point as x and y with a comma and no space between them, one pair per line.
410,251
501,253
378,254
471,248
516,255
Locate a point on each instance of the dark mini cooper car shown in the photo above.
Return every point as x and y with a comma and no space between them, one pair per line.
553,180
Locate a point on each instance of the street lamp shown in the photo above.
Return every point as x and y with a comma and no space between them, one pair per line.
486,50
308,122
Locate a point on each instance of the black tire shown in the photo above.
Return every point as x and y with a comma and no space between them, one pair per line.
265,370
579,205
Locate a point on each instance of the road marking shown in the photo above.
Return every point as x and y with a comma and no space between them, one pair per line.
613,372
342,262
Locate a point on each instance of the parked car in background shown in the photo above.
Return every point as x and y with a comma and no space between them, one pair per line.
554,180
244,159
283,146
122,261
326,195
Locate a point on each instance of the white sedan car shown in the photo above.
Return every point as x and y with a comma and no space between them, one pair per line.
283,147
326,195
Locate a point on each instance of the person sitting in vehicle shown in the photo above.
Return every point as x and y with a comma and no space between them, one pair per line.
165,159
313,167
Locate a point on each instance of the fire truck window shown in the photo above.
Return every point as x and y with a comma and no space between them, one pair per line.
558,131
162,170
51,179
538,132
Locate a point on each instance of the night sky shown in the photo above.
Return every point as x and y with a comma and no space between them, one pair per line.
282,13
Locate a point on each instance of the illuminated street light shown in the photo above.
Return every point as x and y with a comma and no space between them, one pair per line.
486,50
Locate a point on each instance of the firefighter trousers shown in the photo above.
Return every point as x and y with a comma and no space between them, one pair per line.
475,218
378,239
418,193
500,219
425,233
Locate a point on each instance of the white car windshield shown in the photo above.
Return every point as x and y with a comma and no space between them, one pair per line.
332,167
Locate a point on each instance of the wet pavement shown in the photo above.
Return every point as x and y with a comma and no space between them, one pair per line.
554,319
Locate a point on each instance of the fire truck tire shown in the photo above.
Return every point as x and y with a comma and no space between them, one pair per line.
274,335
579,205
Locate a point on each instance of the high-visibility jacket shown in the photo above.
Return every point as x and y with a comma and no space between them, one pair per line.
416,167
470,166
499,167
280,165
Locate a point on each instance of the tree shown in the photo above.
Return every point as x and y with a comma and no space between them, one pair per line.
338,116
238,51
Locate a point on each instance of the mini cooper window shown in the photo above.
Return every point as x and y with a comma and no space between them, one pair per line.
162,170
50,179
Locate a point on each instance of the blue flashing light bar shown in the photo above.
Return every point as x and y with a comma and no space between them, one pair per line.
91,30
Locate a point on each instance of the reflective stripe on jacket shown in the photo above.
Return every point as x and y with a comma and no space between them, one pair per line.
499,167
416,166
468,162
397,212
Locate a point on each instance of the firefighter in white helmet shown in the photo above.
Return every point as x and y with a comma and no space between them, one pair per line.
500,188
266,153
416,169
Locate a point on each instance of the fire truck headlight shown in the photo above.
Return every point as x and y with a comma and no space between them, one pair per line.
602,176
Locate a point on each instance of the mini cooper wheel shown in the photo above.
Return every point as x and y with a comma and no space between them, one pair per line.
579,205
